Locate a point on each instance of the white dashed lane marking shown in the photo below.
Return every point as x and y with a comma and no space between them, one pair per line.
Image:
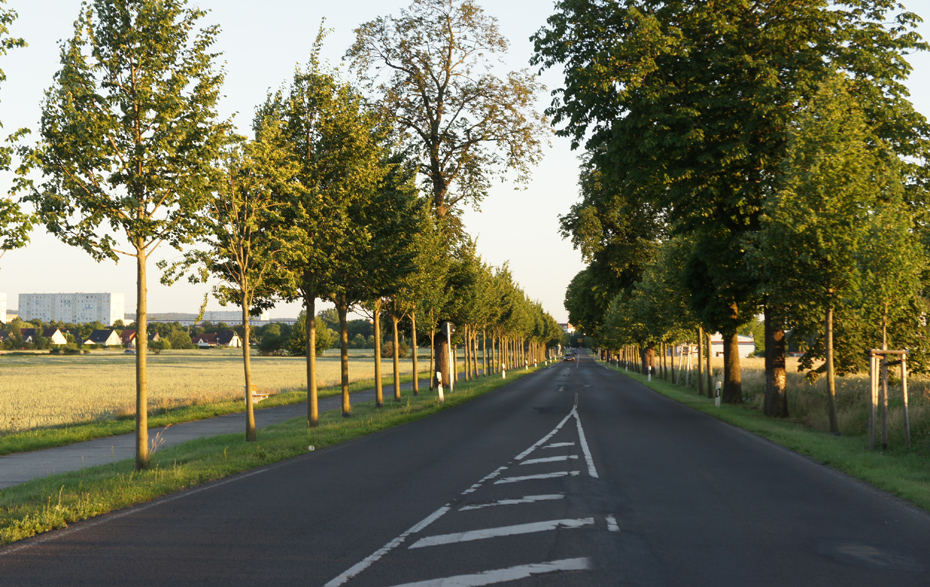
506,575
550,460
504,502
486,533
556,475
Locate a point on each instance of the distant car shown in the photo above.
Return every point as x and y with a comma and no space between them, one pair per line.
129,352
568,358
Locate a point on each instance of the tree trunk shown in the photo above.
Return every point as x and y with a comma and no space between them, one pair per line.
313,399
142,391
700,360
342,308
379,391
831,375
467,339
394,322
732,378
710,372
432,353
441,350
413,331
250,434
484,351
776,396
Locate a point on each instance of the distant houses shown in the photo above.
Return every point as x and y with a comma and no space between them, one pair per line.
227,339
104,338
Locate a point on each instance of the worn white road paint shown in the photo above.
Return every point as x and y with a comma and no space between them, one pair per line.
536,477
559,445
612,523
558,459
584,446
546,438
505,575
487,478
376,556
523,500
486,533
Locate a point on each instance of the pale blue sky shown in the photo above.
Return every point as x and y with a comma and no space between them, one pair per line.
261,43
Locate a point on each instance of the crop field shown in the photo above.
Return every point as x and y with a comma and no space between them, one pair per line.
46,390
807,402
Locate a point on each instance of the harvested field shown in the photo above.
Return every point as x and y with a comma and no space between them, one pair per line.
38,390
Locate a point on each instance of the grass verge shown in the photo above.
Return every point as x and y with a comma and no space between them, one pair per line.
50,437
54,502
899,471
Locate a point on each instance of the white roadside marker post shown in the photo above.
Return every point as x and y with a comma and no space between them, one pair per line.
439,387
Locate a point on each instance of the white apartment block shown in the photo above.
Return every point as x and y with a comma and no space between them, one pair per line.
76,308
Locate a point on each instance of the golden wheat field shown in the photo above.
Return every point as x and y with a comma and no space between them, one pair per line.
46,390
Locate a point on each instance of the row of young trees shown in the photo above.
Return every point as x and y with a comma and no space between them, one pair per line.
746,159
322,203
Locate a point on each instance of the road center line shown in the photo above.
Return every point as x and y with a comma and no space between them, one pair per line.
536,477
545,438
486,533
584,446
506,575
523,500
558,459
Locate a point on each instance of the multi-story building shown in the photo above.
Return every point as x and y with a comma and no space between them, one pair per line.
76,308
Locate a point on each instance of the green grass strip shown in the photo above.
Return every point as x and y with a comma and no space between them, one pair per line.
898,471
54,502
50,437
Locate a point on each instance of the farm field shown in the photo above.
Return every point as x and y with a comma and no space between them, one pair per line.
46,390
807,402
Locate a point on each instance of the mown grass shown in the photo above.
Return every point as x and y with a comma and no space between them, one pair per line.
52,436
56,501
904,473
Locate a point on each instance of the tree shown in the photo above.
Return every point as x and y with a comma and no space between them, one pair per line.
240,249
328,131
465,124
691,104
839,179
297,343
14,223
129,138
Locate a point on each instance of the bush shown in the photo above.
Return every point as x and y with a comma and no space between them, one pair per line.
387,350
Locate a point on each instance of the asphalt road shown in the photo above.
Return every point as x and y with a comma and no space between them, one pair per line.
572,476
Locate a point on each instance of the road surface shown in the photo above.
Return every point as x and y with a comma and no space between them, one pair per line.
574,475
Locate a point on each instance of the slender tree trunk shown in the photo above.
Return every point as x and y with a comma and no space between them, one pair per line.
884,388
467,341
394,322
831,376
413,331
710,372
379,391
142,391
342,308
484,354
250,434
432,352
313,398
700,360
776,396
